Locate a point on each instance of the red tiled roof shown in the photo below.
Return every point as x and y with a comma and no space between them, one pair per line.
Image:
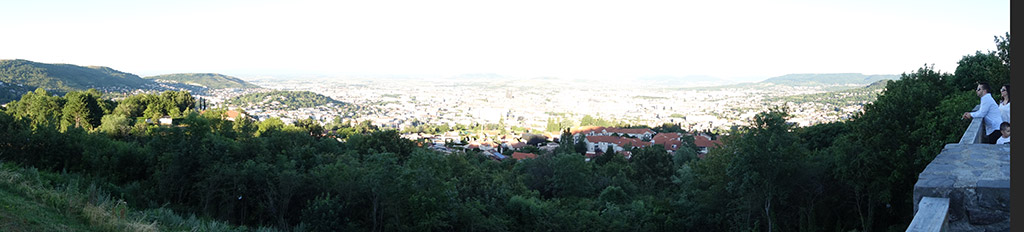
668,139
620,141
522,155
659,138
702,141
629,131
232,114
668,145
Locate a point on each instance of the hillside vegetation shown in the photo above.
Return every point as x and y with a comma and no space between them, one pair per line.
283,100
842,98
66,77
208,80
828,79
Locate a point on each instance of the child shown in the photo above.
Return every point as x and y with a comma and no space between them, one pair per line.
1005,128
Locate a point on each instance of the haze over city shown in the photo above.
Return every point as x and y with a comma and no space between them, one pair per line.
737,41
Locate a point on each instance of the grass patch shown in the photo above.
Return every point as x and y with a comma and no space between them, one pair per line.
33,200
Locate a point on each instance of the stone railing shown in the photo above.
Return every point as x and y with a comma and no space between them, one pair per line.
975,178
975,131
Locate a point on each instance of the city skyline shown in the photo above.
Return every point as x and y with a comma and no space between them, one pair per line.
745,41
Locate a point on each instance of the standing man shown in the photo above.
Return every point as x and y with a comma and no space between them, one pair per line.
989,111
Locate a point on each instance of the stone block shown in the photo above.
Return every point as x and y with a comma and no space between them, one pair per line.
993,198
985,217
935,182
957,209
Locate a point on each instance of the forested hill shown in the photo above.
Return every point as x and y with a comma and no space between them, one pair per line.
828,79
208,80
283,100
66,77
841,98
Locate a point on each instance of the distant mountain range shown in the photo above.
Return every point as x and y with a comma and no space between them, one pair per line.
19,76
828,79
208,80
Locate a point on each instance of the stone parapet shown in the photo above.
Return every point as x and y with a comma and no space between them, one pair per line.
976,179
974,132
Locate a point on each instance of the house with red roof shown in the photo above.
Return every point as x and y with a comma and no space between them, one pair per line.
595,143
523,155
704,143
671,141
642,133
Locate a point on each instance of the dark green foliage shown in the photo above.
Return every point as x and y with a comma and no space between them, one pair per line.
81,109
613,194
208,80
987,67
283,100
670,128
66,77
653,166
39,107
1003,48
387,141
767,158
581,145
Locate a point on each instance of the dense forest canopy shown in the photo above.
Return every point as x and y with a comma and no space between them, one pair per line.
769,176
283,100
208,80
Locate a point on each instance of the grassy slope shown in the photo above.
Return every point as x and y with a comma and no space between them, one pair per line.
20,213
32,200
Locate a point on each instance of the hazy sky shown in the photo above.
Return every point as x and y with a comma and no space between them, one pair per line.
579,39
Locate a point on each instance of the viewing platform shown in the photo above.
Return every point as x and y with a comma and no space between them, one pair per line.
966,187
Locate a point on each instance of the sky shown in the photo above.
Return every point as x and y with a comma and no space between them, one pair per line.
732,40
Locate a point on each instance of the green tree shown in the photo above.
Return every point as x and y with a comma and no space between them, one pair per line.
581,144
81,109
587,120
115,125
39,107
572,177
311,126
767,157
881,167
654,167
1003,48
987,67
684,155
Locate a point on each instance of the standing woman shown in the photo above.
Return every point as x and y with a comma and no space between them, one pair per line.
1004,105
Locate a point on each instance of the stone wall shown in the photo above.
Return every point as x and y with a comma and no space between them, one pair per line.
976,179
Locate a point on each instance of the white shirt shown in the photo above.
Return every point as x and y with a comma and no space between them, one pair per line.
1003,140
1004,110
989,112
